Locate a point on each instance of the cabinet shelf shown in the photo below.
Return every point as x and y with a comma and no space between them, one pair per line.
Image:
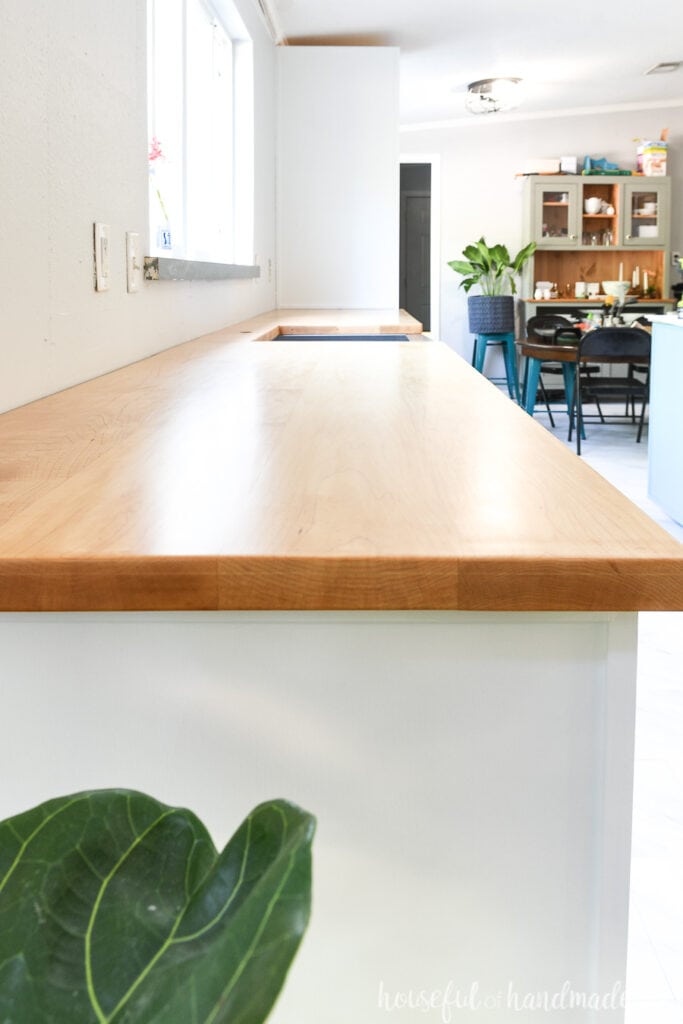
571,299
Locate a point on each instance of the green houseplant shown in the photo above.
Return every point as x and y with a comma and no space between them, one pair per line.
494,271
117,909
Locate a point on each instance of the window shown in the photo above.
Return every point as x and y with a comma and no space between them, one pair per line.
200,96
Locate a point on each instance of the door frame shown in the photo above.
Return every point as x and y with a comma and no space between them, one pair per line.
413,193
434,161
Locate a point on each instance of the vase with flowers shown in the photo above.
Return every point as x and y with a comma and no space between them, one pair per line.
155,158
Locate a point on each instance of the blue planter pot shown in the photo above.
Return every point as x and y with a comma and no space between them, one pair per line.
493,314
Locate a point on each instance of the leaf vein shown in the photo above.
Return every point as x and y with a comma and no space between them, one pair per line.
243,867
102,1018
29,839
241,967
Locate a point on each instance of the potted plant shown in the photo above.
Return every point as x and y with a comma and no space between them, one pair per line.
117,908
492,269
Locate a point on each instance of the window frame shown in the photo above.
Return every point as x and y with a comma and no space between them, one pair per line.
186,255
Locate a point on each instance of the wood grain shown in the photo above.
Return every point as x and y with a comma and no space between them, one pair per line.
224,474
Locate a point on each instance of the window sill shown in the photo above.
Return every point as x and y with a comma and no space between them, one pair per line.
162,268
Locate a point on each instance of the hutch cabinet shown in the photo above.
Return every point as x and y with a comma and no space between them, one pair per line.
588,226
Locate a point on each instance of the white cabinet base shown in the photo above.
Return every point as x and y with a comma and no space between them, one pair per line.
665,452
471,774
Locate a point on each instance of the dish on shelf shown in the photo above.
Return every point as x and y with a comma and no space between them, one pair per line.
619,289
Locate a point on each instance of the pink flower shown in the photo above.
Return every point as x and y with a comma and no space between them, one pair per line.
155,150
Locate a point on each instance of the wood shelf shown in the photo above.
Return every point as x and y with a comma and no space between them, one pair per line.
572,300
597,263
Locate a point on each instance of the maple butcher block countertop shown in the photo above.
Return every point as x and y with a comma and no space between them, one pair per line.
232,473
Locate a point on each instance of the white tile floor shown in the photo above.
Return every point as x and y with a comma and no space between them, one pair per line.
655,961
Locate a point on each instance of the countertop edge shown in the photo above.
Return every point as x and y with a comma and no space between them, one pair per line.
301,583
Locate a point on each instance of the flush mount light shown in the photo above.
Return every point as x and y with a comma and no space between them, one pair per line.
664,67
489,95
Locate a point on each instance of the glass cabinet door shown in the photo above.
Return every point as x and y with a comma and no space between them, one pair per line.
556,214
646,214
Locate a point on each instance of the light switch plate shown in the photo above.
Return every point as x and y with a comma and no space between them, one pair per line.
133,261
101,239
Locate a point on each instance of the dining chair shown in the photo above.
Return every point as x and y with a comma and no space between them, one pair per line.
549,329
628,346
640,321
543,327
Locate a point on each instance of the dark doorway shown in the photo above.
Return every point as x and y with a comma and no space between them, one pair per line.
415,241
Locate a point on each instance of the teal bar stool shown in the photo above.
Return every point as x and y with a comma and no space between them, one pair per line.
507,341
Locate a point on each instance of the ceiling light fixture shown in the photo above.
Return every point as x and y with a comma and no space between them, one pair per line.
489,95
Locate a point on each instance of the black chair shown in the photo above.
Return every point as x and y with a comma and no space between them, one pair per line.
640,321
553,329
612,345
543,326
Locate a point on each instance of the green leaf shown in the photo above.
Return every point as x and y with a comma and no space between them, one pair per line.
484,256
17,994
472,253
117,909
467,282
500,258
460,267
522,256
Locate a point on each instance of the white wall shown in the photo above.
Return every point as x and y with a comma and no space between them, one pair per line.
473,790
73,150
338,177
481,196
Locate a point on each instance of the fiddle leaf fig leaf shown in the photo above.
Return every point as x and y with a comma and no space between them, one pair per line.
117,909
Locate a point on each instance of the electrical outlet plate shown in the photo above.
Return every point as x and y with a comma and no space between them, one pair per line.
101,238
133,261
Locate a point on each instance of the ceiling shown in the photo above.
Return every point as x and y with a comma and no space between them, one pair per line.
586,54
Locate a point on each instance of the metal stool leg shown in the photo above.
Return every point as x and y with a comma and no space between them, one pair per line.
533,375
511,366
544,396
480,344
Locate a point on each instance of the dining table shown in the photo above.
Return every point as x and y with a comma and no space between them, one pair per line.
537,351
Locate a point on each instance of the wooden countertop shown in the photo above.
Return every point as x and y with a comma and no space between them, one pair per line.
224,474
